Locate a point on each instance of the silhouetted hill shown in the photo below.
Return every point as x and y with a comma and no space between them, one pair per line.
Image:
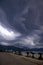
14,48
2,47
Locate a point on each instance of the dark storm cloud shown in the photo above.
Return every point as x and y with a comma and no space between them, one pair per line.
25,17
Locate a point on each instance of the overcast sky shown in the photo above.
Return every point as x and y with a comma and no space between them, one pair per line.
21,21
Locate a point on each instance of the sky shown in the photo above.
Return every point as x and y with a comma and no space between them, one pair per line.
21,22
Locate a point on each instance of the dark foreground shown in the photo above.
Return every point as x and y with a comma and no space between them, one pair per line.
12,59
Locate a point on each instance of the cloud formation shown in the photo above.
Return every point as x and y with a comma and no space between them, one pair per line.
8,35
21,22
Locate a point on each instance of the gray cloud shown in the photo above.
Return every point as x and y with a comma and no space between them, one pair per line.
25,17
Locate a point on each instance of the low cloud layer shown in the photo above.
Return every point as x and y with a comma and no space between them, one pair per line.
21,22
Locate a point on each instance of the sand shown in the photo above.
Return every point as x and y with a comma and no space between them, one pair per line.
13,59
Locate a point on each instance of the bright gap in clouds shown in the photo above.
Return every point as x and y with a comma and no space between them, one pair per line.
5,31
29,41
8,35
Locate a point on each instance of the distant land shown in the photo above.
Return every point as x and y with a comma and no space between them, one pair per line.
14,48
